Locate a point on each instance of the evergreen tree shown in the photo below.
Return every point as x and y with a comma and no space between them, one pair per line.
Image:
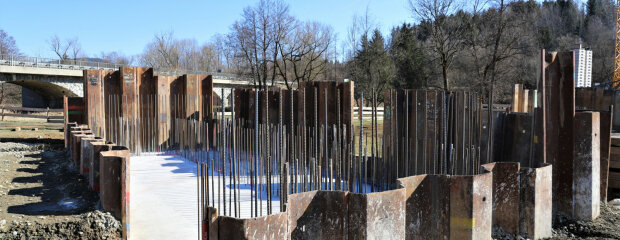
408,56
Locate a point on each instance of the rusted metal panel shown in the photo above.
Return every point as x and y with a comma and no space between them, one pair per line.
482,201
505,195
470,206
516,138
334,90
376,215
211,231
69,127
559,105
605,140
207,93
441,206
84,166
125,186
73,108
317,215
93,174
267,227
535,202
146,106
356,221
112,108
77,145
385,215
427,206
193,90
134,80
114,181
231,228
586,175
94,94
163,109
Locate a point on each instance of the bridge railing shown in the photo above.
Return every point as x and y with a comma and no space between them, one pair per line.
71,64
219,75
25,61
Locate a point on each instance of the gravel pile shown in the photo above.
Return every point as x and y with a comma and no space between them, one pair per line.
91,225
20,147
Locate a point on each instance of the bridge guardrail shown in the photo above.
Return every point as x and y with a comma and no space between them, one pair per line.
25,61
71,64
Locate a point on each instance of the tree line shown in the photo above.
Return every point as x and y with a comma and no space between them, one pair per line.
483,46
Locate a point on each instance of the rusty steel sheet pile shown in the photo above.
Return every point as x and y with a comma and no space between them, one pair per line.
301,164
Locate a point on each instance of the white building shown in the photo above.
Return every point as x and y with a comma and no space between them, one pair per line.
583,67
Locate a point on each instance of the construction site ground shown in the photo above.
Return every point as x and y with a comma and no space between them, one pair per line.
43,196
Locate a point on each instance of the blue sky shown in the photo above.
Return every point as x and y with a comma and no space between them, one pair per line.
127,26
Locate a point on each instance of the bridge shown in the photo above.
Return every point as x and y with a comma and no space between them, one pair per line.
53,78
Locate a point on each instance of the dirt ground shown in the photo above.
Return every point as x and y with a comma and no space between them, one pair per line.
606,226
32,129
42,196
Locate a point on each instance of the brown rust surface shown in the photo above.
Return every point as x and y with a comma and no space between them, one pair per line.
535,203
427,206
559,107
505,195
93,174
267,227
605,143
85,159
317,215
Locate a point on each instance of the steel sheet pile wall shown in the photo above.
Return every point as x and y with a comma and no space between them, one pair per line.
106,167
444,206
564,140
515,139
114,185
134,108
95,99
431,132
522,199
594,99
600,100
300,149
73,109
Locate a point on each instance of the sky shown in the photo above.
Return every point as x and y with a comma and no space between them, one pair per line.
128,26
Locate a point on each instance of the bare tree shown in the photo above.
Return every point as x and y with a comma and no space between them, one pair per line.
117,58
445,33
7,47
168,53
7,44
305,55
258,36
65,49
359,28
162,52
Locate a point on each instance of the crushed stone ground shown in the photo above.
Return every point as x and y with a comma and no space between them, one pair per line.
43,196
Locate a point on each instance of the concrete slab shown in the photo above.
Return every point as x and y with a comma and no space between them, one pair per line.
164,198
